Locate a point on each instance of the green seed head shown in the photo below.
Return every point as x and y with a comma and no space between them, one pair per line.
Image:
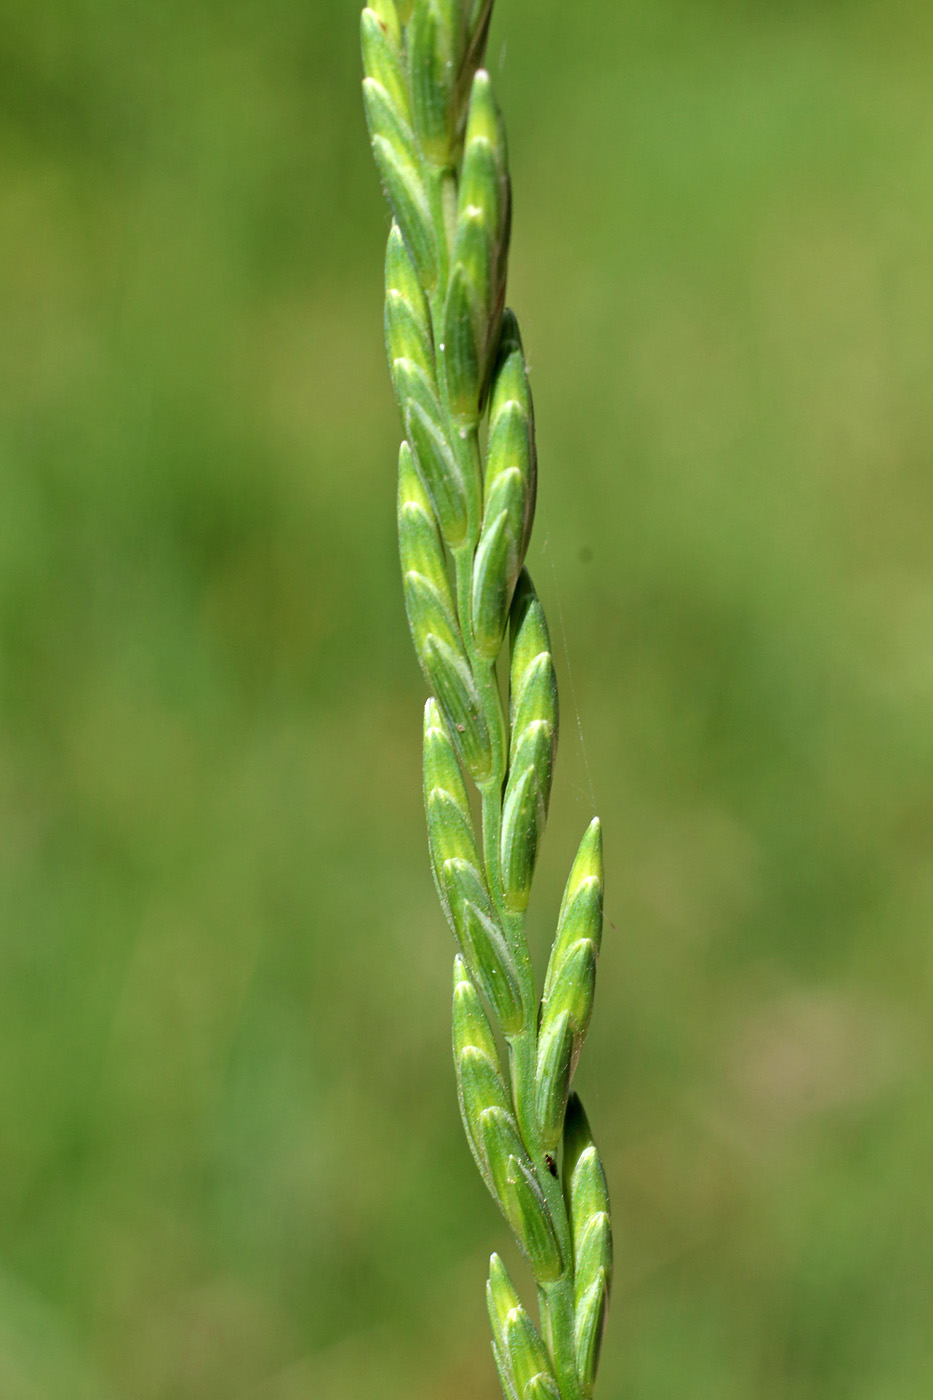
450,836
430,617
445,41
433,457
481,245
499,1140
482,942
525,1349
382,61
449,675
507,492
572,990
528,1214
512,422
405,335
510,378
523,817
593,1251
484,219
433,82
589,1203
481,1085
405,192
388,124
454,352
494,572
402,278
552,1084
441,766
588,1209
407,316
484,123
484,187
459,353
533,745
416,386
529,641
590,1323
501,1298
587,869
581,913
420,548
502,540
471,1026
511,470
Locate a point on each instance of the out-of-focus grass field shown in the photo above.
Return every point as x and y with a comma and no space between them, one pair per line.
231,1166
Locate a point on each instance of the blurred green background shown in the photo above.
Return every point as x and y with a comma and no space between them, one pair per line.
231,1164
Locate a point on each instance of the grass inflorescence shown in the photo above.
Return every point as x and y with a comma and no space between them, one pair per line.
466,505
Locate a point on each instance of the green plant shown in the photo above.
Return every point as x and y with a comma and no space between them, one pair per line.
465,512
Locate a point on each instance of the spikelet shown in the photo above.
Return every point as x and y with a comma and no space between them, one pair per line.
588,1205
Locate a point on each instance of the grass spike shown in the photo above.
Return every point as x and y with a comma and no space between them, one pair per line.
465,516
